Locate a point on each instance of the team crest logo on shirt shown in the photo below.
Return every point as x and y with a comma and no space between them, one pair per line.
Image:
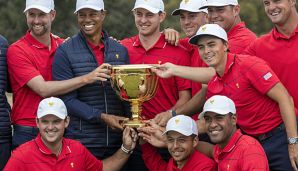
159,62
51,104
117,56
237,85
72,165
177,121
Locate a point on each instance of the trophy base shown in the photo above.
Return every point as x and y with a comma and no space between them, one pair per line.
133,123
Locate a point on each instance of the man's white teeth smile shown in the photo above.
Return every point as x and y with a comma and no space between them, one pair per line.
176,153
37,26
214,132
274,13
88,26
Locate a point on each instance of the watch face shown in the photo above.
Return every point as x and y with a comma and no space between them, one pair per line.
293,140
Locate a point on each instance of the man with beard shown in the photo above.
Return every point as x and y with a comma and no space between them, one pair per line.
233,150
30,70
181,141
51,151
5,125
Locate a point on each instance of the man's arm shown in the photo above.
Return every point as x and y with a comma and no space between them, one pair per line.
189,108
279,94
195,103
197,74
55,88
117,160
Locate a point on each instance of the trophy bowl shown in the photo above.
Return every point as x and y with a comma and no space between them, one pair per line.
136,84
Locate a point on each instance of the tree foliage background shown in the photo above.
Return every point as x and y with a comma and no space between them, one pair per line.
119,21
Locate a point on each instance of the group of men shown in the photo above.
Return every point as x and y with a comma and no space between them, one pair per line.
42,65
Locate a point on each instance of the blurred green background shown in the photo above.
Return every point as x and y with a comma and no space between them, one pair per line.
119,21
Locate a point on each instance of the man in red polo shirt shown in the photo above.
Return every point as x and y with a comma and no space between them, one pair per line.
279,47
226,13
150,47
191,19
50,151
30,70
181,141
233,150
265,109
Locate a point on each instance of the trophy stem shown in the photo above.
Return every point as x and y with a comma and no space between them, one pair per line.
136,109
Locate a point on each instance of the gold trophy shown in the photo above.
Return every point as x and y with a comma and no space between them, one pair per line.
135,84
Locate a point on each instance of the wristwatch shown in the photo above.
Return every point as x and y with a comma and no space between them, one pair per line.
293,140
173,112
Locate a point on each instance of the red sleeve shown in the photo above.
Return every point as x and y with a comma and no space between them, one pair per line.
250,50
254,159
91,163
20,66
152,159
261,76
14,163
183,84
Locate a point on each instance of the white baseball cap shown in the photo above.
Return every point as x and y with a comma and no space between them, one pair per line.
44,5
219,3
154,6
191,6
183,124
97,5
209,29
53,106
219,104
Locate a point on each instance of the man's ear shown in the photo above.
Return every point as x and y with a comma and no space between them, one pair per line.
236,10
162,16
53,15
195,142
234,119
37,121
67,119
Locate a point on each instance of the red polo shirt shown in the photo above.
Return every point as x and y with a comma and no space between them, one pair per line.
26,59
196,162
246,81
168,89
241,153
239,38
98,51
35,156
280,53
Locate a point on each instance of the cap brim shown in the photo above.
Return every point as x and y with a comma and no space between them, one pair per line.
177,11
216,4
41,8
179,131
220,112
51,112
89,7
147,7
194,39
